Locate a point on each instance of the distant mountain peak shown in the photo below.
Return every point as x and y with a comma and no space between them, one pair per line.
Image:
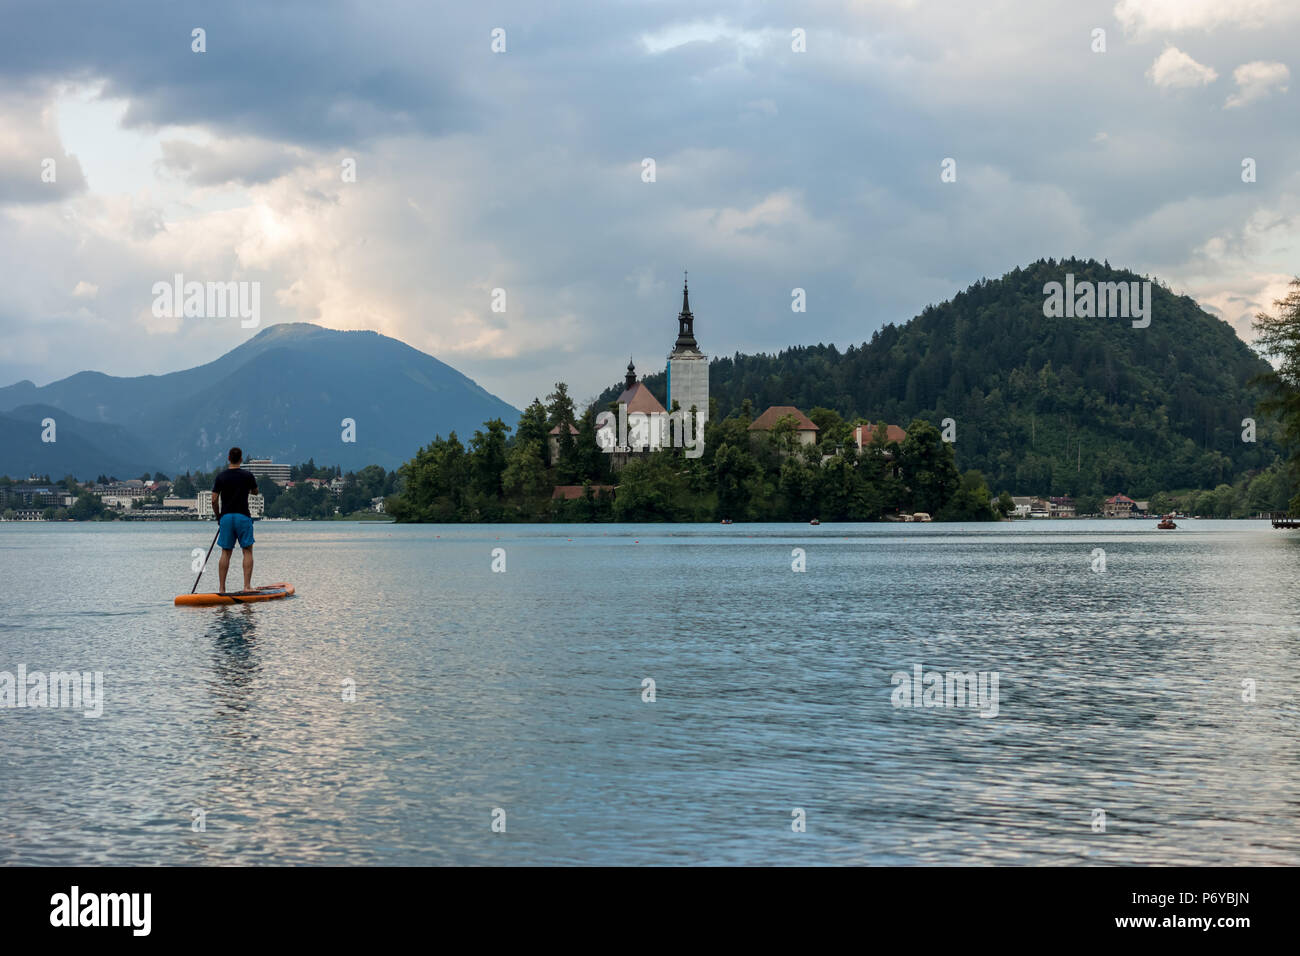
285,392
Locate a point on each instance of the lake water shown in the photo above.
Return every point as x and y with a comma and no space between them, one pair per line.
476,691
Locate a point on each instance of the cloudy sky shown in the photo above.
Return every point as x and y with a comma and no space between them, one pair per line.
775,168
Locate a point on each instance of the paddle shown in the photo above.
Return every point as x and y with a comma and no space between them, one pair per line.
205,560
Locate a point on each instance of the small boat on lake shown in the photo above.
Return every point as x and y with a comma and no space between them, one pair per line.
814,521
1167,523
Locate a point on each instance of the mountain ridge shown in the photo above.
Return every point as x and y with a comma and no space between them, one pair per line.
282,394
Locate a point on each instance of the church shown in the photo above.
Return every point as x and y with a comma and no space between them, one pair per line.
688,367
641,424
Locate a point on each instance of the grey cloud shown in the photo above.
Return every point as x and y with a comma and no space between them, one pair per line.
550,136
241,161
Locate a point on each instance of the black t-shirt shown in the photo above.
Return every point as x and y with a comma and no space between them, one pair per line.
234,485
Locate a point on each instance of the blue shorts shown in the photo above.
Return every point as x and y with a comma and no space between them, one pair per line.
232,527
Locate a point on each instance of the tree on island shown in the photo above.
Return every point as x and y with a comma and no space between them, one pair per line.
1279,338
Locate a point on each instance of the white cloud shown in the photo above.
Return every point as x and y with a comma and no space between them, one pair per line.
35,165
701,31
1240,297
85,290
1233,273
1174,69
1152,16
1256,81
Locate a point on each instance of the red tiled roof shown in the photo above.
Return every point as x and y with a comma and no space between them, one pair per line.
767,421
573,492
638,398
556,430
1120,499
862,433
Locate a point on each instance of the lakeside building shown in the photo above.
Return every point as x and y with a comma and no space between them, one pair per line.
805,428
641,434
1032,506
171,509
574,492
553,439
1121,506
1062,507
862,435
266,468
256,505
28,496
134,488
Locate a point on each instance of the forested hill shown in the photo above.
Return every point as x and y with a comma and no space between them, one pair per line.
1042,405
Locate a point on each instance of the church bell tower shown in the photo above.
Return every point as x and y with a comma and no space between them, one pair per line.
688,367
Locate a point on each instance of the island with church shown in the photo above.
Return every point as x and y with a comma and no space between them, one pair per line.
642,456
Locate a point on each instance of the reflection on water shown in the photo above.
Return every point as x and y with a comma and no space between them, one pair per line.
235,663
407,691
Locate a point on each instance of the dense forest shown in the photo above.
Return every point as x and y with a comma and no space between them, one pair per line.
1043,406
742,475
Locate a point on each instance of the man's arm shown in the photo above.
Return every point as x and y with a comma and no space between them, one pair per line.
216,508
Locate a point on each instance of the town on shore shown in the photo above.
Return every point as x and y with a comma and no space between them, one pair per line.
287,491
346,496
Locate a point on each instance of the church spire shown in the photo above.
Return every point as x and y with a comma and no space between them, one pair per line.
630,379
685,322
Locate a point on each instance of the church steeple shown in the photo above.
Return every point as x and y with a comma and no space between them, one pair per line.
685,323
630,379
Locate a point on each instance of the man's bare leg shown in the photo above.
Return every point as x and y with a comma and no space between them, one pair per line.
248,568
223,566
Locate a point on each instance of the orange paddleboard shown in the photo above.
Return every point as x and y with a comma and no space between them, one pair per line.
267,592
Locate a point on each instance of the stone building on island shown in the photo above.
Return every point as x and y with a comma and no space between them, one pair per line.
688,367
639,424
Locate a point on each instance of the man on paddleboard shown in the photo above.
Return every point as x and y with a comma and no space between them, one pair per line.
230,494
